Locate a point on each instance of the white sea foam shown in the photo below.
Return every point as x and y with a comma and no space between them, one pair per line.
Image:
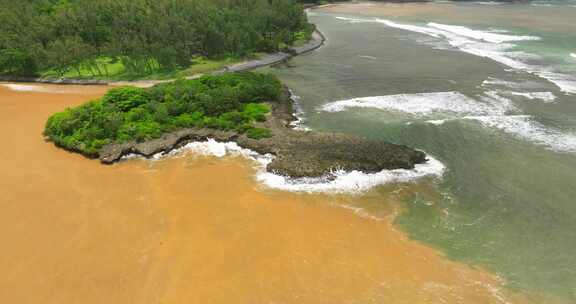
368,57
214,148
46,88
566,83
426,104
498,82
432,42
354,182
31,88
525,85
437,122
493,111
298,124
499,103
413,28
497,30
489,44
488,3
522,126
525,128
544,96
573,55
355,20
480,35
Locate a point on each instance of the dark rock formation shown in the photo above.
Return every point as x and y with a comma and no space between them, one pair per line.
298,153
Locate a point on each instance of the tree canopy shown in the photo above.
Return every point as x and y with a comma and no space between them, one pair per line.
144,35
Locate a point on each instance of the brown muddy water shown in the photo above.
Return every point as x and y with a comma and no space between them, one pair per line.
195,230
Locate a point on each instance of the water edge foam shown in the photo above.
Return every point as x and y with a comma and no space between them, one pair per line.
339,181
488,44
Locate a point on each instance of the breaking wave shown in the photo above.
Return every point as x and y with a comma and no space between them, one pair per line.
525,85
543,96
492,110
426,104
480,35
522,126
493,44
368,57
298,124
354,182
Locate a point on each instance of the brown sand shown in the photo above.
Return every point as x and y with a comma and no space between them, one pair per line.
382,9
194,230
451,13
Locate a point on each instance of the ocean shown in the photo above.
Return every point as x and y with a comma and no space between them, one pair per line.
489,90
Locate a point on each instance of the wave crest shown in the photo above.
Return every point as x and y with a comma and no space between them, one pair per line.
424,104
489,44
493,111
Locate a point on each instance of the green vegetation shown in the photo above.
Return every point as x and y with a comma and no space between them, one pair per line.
323,2
232,101
259,133
127,39
115,70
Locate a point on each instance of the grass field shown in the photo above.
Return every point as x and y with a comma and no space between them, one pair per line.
110,69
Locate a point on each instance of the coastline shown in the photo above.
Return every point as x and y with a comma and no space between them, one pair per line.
206,199
150,212
296,153
317,40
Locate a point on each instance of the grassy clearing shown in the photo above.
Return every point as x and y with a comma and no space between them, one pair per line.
111,69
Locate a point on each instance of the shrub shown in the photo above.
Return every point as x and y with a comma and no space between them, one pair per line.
139,131
256,111
258,133
125,98
189,120
225,102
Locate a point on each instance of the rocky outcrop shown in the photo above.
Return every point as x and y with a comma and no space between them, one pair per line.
297,153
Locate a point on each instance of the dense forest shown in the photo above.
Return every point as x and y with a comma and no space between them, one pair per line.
399,1
232,102
64,36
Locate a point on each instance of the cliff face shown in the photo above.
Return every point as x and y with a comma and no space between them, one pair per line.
297,153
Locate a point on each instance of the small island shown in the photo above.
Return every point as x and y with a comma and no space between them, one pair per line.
252,109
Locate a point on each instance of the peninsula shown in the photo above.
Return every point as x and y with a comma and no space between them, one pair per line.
254,110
